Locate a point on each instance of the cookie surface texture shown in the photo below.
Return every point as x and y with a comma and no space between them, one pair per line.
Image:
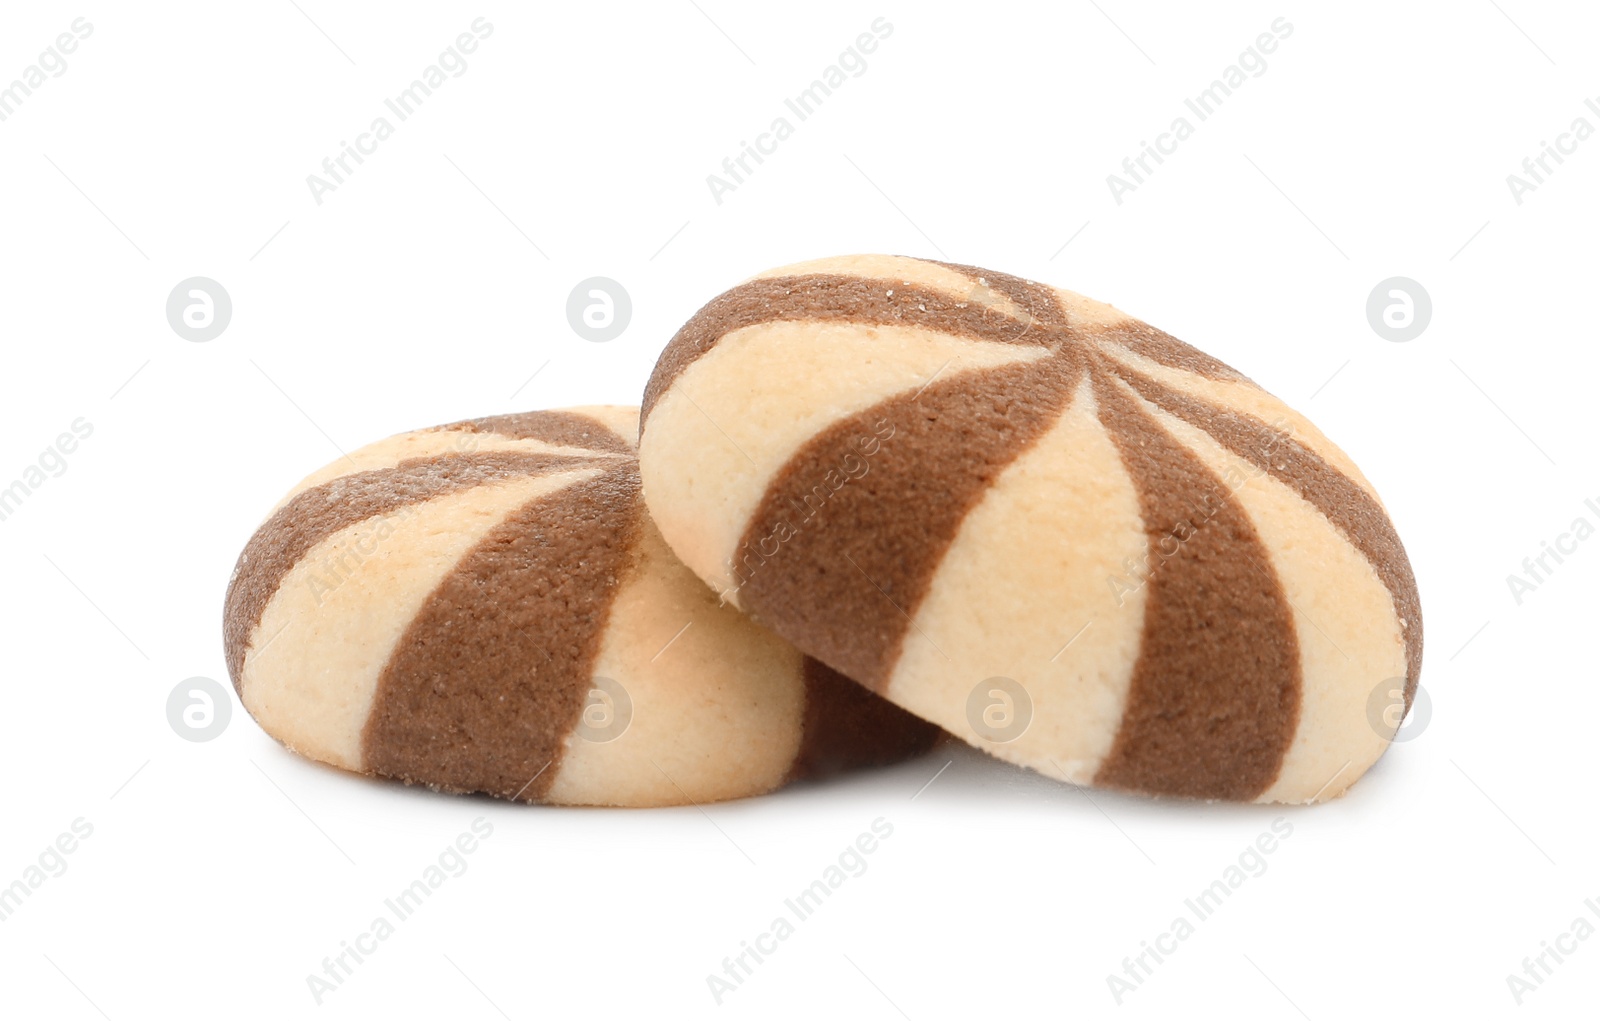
1059,533
485,607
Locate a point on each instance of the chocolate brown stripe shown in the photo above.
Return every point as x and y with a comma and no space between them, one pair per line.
492,674
832,298
1138,337
1165,349
1038,299
849,533
1215,695
318,513
1351,509
563,428
848,727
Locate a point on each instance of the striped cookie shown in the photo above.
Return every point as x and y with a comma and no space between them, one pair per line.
485,606
1054,530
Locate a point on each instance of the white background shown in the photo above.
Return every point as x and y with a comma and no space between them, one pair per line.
432,285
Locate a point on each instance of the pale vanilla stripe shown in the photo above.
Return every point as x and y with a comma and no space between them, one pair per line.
328,631
389,452
1083,311
1243,397
620,419
1045,553
700,729
1350,639
761,393
895,270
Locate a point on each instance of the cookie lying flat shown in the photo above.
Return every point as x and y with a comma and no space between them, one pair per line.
1059,533
486,607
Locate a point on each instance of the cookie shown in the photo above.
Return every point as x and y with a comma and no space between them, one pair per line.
486,607
1054,530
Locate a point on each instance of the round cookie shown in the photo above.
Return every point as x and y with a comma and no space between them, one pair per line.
1058,532
486,607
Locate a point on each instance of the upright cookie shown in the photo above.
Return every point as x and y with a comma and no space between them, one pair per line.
1057,532
485,606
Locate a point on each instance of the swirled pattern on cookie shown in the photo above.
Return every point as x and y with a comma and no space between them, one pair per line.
486,607
1052,529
